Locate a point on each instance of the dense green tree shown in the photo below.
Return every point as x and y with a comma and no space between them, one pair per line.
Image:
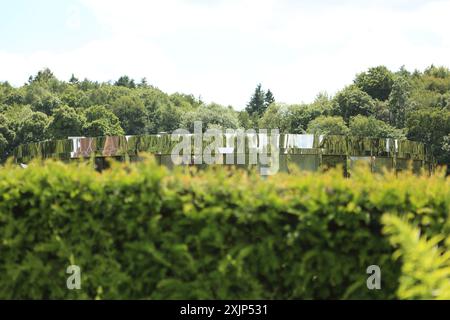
75,98
98,112
328,126
98,128
143,83
269,98
446,151
377,82
166,118
436,79
16,113
46,104
5,90
86,85
403,72
7,136
381,111
370,127
32,128
257,104
446,143
399,101
162,114
73,79
430,127
125,81
245,120
300,115
185,101
15,97
101,122
323,102
444,101
211,115
352,101
43,76
65,122
4,143
276,117
132,114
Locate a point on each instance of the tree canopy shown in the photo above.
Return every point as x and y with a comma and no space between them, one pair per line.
328,125
379,103
376,82
260,101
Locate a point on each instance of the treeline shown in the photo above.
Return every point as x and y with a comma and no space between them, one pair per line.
379,103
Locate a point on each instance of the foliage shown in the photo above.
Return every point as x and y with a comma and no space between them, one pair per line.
125,81
328,126
101,122
446,143
269,98
276,117
430,127
412,102
16,113
138,232
399,103
300,115
377,82
6,137
425,262
260,101
245,120
32,128
166,119
370,127
132,114
212,115
352,101
65,122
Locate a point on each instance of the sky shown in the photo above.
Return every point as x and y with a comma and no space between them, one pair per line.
220,50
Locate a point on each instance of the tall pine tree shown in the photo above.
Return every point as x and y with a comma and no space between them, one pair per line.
259,101
269,99
73,79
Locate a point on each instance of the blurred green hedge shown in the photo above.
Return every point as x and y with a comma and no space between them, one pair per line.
139,231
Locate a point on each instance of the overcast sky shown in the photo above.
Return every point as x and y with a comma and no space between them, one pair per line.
220,49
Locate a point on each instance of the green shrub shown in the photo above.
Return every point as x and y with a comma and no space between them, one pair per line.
426,265
138,231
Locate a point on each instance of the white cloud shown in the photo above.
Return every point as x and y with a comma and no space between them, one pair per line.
222,49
